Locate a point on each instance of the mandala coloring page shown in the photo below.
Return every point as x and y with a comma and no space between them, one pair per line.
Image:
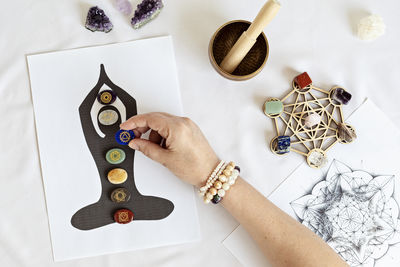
354,211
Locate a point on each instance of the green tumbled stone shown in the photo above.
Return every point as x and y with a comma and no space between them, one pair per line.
115,156
273,107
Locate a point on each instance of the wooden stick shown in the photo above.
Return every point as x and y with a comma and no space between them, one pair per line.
249,37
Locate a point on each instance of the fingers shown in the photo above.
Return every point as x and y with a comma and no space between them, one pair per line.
150,149
141,130
155,121
155,137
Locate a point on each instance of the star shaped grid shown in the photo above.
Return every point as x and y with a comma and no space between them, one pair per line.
299,104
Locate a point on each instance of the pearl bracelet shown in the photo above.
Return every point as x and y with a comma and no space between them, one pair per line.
226,178
211,179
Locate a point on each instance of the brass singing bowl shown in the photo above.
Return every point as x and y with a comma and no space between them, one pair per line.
222,42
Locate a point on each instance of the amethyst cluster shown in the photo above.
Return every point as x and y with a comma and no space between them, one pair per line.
97,20
146,11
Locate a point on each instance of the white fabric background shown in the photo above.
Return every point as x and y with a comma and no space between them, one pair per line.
308,35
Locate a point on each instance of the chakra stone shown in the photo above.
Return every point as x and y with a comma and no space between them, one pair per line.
216,199
303,80
345,133
317,159
97,20
145,12
283,145
123,6
120,195
273,107
117,176
123,137
123,216
115,156
108,117
312,120
106,97
342,96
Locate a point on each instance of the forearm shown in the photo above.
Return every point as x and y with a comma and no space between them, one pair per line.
283,241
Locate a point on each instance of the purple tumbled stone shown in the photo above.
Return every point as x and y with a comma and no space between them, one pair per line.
216,199
146,11
97,20
123,6
342,96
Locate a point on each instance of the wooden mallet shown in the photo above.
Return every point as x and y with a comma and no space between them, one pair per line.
249,37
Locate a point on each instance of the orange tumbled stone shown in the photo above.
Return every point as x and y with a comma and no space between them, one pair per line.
123,216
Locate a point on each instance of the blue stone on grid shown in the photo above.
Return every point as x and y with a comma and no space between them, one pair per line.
283,145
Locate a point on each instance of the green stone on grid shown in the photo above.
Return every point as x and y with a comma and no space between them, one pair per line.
273,107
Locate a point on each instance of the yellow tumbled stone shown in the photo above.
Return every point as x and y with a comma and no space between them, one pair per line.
117,176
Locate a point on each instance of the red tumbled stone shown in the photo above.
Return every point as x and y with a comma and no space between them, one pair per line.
303,80
123,216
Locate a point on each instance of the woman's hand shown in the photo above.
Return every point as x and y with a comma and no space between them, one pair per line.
184,150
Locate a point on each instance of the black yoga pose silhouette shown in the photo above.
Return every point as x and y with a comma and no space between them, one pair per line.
101,213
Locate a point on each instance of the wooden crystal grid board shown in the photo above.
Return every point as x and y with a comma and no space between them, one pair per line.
297,105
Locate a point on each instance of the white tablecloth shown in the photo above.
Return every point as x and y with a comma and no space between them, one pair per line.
309,35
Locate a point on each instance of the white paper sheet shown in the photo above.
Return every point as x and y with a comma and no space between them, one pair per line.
60,81
374,151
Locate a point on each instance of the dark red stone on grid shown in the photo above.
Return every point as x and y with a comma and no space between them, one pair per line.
123,216
303,80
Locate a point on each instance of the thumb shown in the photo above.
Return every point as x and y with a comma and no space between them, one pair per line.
150,149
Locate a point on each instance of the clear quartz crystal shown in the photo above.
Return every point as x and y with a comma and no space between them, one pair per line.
371,27
318,159
123,6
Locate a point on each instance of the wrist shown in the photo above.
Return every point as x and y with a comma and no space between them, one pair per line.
219,182
206,170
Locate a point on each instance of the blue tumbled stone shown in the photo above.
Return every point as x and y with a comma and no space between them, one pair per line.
123,137
283,145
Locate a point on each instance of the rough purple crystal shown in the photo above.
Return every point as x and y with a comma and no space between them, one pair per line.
342,96
123,6
146,11
97,20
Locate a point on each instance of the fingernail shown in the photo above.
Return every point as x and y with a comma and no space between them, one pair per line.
133,145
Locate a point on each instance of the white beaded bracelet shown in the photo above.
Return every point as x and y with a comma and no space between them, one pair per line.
211,179
226,179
